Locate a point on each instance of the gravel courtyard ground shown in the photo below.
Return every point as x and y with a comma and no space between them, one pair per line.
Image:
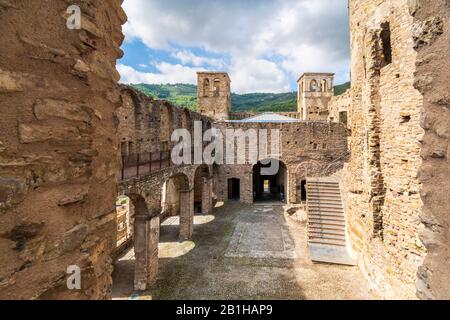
241,252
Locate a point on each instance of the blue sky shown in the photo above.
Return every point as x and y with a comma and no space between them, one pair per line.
265,45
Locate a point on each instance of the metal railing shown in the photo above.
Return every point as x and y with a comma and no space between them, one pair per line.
142,164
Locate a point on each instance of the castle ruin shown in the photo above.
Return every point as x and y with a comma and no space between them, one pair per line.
73,141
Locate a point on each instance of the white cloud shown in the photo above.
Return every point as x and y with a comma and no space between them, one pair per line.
270,42
167,73
257,75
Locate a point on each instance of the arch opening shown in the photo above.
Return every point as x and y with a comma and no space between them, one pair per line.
234,189
177,209
136,255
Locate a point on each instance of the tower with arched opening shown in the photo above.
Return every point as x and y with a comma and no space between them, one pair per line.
315,91
214,95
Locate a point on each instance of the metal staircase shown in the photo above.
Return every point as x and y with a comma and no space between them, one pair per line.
326,222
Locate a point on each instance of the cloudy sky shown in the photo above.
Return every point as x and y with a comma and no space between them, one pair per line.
265,45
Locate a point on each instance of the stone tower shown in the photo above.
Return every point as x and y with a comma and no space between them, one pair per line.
214,95
315,91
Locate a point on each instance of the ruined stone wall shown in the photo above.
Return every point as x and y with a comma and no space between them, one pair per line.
150,130
58,150
381,185
148,124
306,148
314,93
431,35
150,187
214,95
340,106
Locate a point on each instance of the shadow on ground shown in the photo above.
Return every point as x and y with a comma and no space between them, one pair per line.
241,252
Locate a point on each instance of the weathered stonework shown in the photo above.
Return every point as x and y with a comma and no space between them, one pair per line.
214,95
431,35
58,154
314,93
65,122
338,108
146,126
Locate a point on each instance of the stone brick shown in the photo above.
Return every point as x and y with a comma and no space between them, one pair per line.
49,108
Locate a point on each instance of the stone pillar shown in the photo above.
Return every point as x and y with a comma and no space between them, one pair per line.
152,250
247,188
291,185
207,196
186,214
141,226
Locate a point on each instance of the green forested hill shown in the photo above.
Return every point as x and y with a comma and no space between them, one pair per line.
340,89
185,95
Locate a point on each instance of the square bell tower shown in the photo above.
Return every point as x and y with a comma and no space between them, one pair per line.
214,95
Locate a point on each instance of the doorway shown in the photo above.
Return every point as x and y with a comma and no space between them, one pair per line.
268,188
234,189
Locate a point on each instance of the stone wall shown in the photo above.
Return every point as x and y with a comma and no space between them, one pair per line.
314,93
431,36
381,185
58,150
306,149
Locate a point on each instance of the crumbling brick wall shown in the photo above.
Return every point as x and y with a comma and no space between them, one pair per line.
148,124
381,183
59,155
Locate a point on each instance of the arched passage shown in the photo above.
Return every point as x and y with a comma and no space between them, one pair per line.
178,200
140,263
203,190
313,86
269,186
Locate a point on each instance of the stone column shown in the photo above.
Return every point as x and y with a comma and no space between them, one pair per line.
186,214
152,250
247,189
207,196
140,252
291,184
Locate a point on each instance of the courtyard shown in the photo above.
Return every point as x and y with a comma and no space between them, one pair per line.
240,252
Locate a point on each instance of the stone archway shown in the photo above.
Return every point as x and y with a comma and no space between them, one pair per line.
145,245
272,186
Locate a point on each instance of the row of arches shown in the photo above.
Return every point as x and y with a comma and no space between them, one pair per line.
140,231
